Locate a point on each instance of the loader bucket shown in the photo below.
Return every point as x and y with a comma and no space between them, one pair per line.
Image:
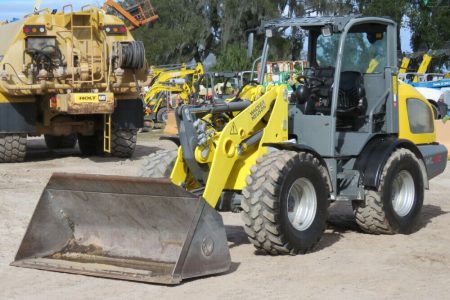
129,228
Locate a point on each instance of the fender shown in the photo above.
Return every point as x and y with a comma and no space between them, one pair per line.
302,148
18,117
128,114
373,157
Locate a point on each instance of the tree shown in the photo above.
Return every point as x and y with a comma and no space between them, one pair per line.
194,28
430,25
395,9
182,32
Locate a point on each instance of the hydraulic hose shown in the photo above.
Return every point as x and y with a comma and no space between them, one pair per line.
133,55
221,107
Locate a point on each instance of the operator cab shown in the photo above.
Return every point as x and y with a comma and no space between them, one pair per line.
364,54
349,77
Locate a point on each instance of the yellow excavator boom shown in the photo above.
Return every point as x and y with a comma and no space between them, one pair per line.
426,60
404,65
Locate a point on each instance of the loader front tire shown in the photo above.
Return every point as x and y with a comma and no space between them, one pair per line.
159,164
285,203
60,142
13,148
395,206
123,142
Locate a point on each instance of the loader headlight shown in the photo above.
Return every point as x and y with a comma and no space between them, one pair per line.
115,29
34,29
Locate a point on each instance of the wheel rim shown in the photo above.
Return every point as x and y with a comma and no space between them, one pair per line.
403,193
302,204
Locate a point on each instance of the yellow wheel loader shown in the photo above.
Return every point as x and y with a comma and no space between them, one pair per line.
343,135
70,75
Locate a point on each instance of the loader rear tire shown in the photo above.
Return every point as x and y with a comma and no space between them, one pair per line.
13,148
285,203
123,142
159,164
395,206
60,142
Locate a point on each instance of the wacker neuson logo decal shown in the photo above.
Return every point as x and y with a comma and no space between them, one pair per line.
259,109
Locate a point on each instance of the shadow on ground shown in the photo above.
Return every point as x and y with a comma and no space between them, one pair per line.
341,218
429,212
37,151
234,266
236,235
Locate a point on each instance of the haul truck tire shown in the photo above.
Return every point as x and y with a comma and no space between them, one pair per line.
395,206
285,203
13,148
60,142
159,164
123,142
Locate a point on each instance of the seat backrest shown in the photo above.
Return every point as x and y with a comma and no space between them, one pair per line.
349,94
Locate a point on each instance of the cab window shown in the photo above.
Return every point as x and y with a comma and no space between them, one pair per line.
365,49
420,117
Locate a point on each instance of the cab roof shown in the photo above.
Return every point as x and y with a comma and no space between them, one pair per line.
338,22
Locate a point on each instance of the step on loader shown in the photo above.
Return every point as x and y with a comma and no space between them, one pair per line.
349,131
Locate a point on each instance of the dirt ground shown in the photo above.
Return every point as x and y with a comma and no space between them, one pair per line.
346,264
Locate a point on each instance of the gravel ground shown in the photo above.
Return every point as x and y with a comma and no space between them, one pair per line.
346,264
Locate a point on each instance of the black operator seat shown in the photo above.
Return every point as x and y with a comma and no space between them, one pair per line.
352,100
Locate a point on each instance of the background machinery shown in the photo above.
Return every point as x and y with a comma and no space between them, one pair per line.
283,72
170,86
343,135
435,87
70,75
220,86
211,87
404,65
140,13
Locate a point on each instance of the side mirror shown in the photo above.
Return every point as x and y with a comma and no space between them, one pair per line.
327,31
250,43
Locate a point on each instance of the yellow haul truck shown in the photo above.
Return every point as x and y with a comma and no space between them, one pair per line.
345,134
70,76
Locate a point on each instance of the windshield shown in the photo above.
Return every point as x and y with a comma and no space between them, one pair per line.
363,51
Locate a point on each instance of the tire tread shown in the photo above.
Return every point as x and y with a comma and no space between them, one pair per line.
371,216
158,164
123,142
13,148
260,204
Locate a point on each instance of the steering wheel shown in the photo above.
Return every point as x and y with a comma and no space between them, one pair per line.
310,80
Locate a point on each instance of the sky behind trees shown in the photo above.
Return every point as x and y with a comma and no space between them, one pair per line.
11,9
18,8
